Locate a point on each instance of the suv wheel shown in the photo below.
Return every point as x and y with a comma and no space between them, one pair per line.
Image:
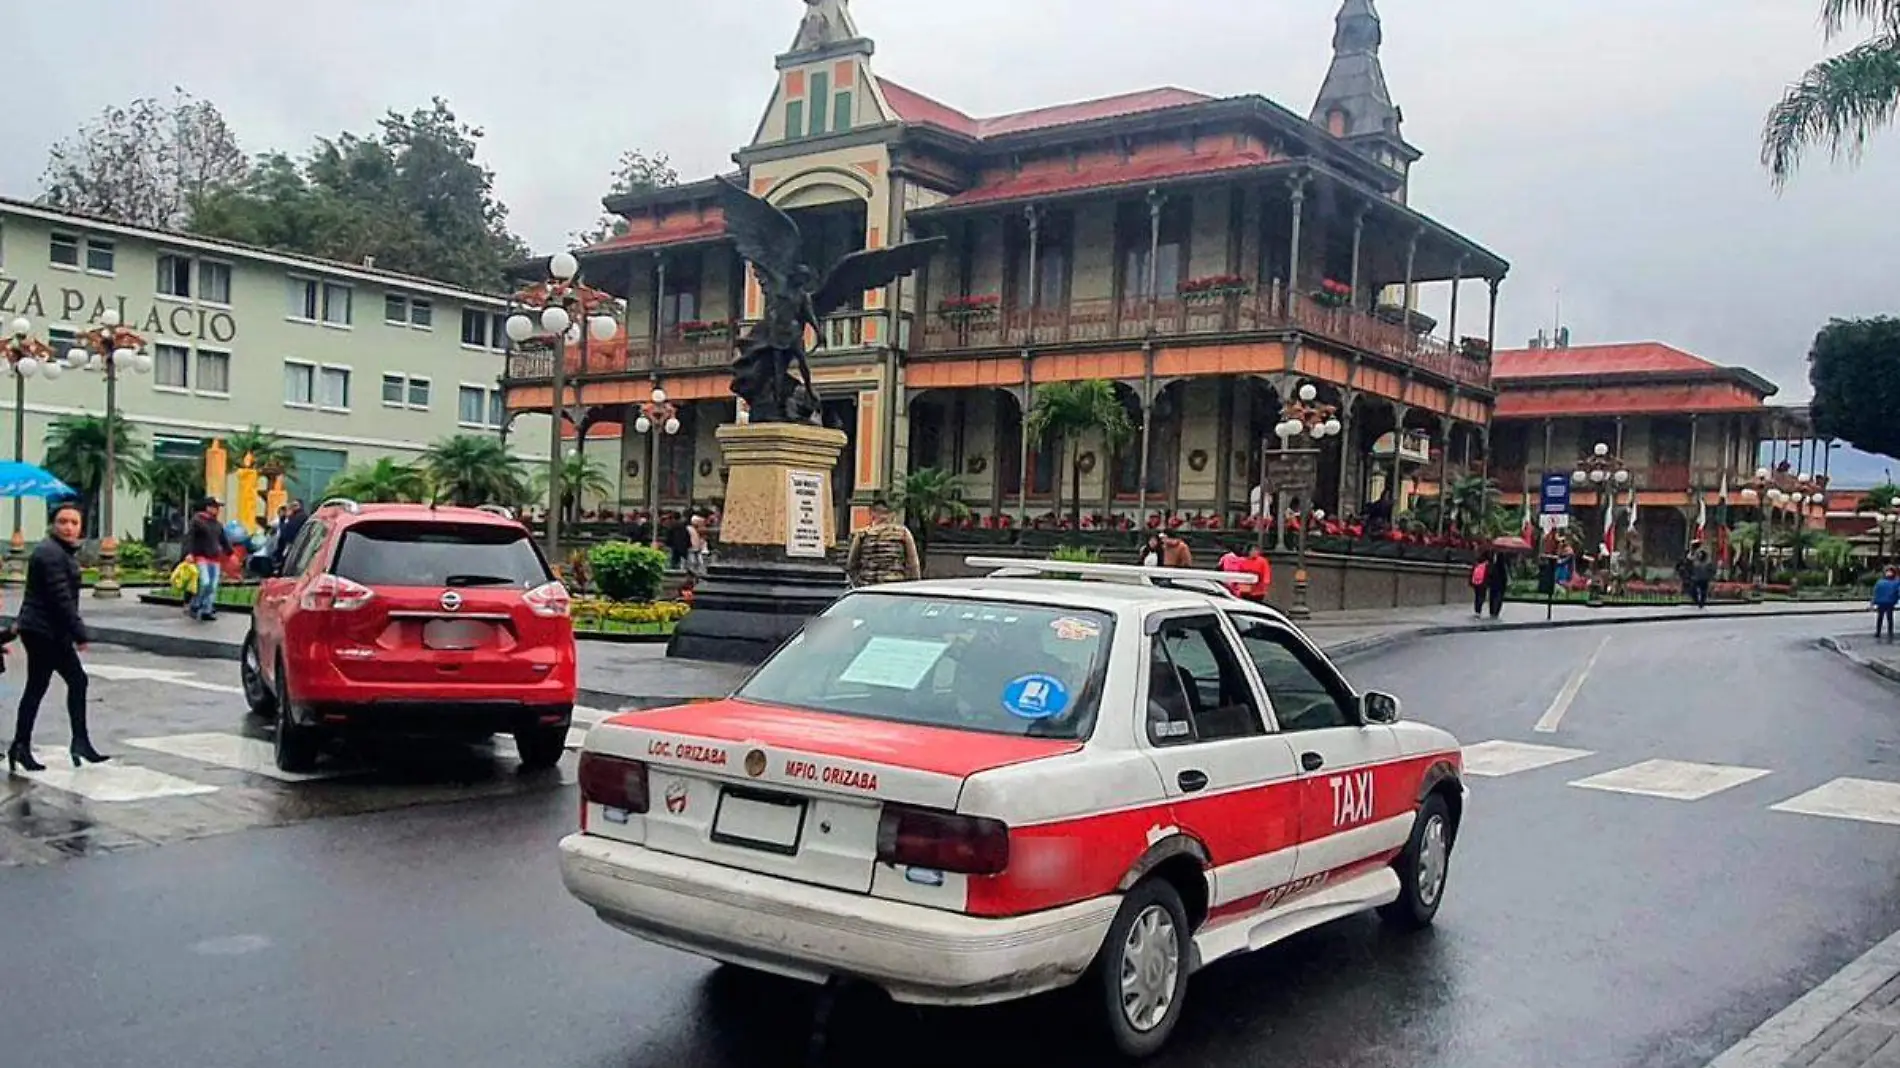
257,692
541,747
297,747
1141,974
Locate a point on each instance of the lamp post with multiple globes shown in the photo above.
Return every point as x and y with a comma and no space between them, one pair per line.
106,348
1304,417
26,356
658,416
1607,473
561,302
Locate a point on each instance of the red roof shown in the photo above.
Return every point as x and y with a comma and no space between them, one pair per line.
711,228
912,106
1642,357
1573,401
1030,185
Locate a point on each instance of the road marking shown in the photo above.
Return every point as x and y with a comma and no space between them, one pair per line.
1783,1035
117,783
1555,713
251,755
124,673
1676,780
1867,800
1498,758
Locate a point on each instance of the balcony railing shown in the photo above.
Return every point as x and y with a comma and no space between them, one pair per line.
1137,318
703,346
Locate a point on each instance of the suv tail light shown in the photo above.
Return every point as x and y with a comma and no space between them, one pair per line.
613,783
551,600
334,593
920,838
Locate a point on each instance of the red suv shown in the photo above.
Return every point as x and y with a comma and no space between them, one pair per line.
407,619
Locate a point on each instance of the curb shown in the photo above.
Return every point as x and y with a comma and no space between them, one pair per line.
1878,667
1788,1032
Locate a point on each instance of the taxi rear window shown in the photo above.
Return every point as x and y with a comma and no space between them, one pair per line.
991,666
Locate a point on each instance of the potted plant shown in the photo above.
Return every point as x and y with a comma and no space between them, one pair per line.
1214,287
1333,293
969,308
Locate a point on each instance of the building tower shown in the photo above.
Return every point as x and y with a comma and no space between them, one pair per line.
1354,104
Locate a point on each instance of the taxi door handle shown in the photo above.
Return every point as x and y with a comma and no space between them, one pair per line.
1312,761
1192,781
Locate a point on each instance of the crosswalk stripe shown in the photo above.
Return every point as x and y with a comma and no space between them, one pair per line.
1866,800
251,755
1499,757
1677,780
117,783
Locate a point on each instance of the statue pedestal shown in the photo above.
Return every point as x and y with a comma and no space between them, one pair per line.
775,541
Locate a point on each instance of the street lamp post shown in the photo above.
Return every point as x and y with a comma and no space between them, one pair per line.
657,417
1606,472
25,357
106,348
1305,417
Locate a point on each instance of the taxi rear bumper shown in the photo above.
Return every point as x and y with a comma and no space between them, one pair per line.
917,955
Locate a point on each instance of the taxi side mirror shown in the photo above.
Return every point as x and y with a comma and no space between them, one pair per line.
1378,708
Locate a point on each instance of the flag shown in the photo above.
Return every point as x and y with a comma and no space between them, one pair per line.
1609,529
1702,521
1721,523
1529,526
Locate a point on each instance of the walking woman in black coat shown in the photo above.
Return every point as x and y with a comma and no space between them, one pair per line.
53,635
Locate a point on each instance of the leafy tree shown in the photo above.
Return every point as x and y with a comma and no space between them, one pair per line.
1854,368
175,482
636,172
383,482
1834,555
145,163
1843,99
1067,412
1745,539
925,497
581,477
412,196
1879,498
472,469
264,448
76,452
1802,539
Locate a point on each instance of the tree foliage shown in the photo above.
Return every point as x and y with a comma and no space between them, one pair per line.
385,481
1854,368
1069,411
475,469
1841,101
145,163
411,196
76,453
926,497
581,477
636,172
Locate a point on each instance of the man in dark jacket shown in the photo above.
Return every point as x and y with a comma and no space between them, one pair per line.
207,545
53,635
292,525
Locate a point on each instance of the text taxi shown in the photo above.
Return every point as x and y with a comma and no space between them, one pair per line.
972,791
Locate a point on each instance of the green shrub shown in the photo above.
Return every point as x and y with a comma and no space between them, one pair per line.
624,571
135,556
1076,554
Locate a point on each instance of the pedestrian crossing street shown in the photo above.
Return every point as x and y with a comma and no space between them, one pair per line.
1845,798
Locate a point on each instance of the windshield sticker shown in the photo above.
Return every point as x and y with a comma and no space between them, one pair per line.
1035,697
1071,629
894,663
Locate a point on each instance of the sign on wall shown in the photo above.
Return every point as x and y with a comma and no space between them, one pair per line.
805,514
66,304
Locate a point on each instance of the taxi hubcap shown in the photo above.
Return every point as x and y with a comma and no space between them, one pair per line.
1432,857
1151,963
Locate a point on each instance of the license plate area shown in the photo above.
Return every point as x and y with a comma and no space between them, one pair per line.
456,634
772,823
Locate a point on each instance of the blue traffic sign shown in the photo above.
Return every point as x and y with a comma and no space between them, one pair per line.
1556,500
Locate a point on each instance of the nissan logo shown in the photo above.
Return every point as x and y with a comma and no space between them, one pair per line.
451,601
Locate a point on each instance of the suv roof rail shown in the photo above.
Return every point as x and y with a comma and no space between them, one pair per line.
496,509
344,503
1127,574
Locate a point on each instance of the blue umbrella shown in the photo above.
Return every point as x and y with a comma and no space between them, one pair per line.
26,480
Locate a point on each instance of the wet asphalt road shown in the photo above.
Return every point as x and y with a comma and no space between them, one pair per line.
1582,927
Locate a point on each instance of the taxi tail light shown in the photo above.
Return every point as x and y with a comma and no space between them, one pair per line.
922,838
613,783
551,600
334,593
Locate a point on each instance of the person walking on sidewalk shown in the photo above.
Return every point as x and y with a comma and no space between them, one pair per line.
1490,578
1701,577
207,545
54,636
1886,597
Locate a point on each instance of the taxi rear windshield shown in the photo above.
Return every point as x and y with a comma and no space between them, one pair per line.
991,666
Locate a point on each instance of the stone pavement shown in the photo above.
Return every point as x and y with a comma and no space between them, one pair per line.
1852,1020
1881,658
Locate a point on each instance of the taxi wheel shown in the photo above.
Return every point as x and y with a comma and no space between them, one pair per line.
541,747
1140,976
296,747
1423,868
257,692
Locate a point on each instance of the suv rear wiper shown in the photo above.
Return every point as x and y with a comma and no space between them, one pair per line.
478,580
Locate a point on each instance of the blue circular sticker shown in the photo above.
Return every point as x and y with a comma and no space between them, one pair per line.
1035,697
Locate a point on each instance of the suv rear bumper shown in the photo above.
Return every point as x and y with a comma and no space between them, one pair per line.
919,955
432,718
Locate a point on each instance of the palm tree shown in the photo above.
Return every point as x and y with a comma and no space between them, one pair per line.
1834,555
175,482
1842,100
926,497
385,481
472,469
1066,412
264,448
581,477
76,452
1879,498
1802,539
1745,539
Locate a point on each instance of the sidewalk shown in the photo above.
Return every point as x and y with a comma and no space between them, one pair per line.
614,675
1881,658
1852,1020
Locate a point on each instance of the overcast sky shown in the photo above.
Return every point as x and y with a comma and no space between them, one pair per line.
1607,148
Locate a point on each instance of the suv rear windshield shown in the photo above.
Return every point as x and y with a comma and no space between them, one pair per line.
439,554
993,666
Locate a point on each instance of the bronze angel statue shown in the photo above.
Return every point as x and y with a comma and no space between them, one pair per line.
796,297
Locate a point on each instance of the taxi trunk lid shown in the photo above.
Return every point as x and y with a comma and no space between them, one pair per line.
788,792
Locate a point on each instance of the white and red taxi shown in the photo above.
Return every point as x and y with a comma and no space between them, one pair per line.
971,791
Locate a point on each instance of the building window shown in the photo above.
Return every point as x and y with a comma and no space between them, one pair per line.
841,113
214,372
794,119
299,384
101,256
392,391
471,406
396,310
498,332
497,408
336,304
214,282
820,96
65,251
405,390
303,299
680,304
1135,235
174,275
422,314
475,326
333,388
169,366
419,393
61,341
